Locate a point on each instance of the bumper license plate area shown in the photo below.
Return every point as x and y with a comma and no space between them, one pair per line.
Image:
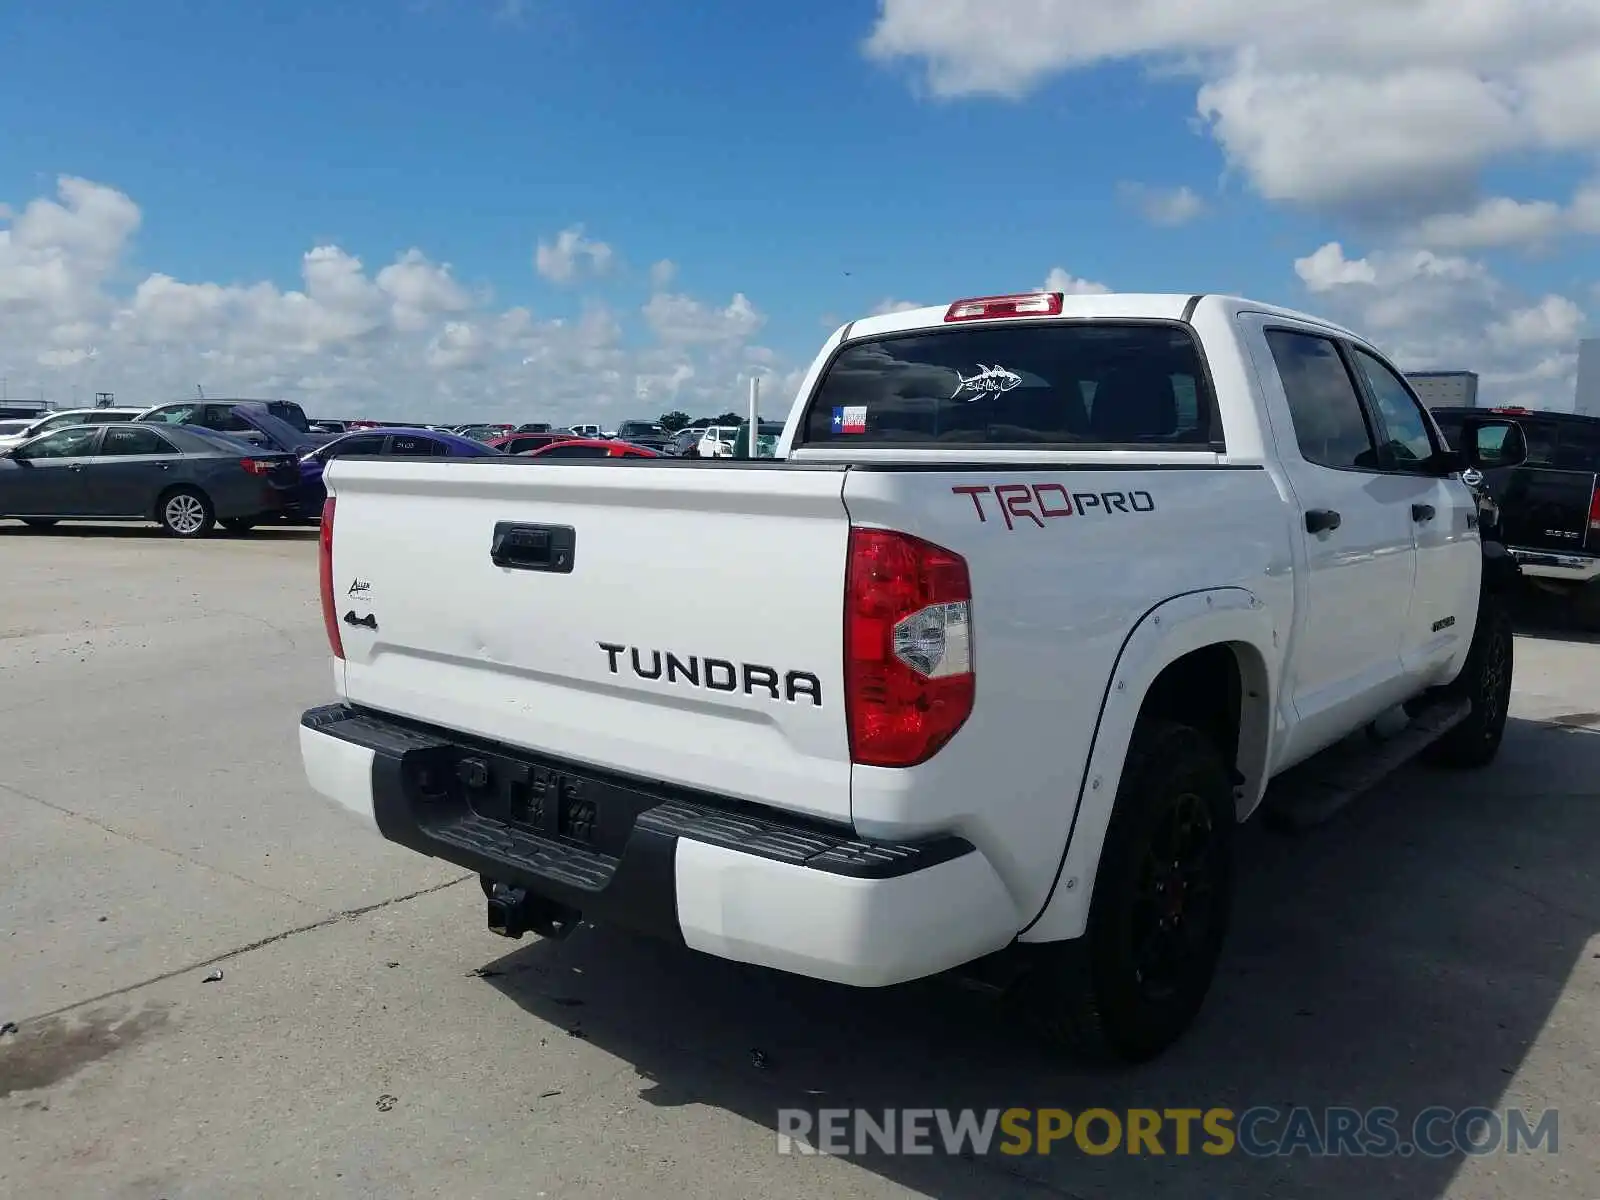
554,801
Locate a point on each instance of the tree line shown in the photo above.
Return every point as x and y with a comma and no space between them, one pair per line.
676,420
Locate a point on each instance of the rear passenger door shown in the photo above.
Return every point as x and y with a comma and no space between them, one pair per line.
1355,557
132,466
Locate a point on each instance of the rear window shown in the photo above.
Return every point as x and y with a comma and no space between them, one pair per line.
1061,385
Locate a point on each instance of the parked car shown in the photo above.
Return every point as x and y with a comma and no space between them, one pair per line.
1042,595
219,415
589,448
717,441
1549,506
183,479
586,430
521,443
383,443
484,433
15,433
681,442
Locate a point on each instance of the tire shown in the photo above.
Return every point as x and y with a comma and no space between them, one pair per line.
39,522
1485,680
1089,996
186,512
239,526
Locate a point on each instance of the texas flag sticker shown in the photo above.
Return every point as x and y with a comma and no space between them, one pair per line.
850,420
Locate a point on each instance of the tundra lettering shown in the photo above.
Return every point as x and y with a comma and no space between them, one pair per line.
716,674
1028,501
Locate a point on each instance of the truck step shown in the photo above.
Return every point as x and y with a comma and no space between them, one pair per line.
1309,794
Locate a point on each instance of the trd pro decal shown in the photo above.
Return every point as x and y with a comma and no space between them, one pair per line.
1038,502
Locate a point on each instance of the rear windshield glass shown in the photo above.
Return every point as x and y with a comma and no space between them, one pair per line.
1064,385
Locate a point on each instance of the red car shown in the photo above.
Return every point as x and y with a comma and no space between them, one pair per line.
589,448
521,443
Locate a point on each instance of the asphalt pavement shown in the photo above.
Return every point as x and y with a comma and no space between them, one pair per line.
222,987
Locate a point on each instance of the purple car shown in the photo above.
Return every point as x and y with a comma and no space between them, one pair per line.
412,443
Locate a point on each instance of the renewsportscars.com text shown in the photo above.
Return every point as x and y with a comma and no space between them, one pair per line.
1264,1131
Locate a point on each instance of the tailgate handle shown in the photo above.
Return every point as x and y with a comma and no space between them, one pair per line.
534,547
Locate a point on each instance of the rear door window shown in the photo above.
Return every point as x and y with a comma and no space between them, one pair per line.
225,419
290,414
576,452
366,443
132,440
412,446
1065,386
1330,426
1578,447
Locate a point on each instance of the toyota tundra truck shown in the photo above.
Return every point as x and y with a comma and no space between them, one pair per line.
1042,597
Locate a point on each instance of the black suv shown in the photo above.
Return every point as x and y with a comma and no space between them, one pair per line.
1549,507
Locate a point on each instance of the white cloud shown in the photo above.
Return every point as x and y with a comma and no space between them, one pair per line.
1061,280
1168,207
1432,311
1327,268
889,305
407,340
683,320
1363,106
662,274
1498,221
564,259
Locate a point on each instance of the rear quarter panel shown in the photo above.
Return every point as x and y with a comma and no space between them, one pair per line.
1055,601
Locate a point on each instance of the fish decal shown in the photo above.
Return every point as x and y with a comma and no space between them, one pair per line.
986,381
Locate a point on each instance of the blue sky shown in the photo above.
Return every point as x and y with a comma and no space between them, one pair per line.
758,147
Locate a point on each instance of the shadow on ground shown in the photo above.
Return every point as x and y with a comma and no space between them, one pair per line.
1407,955
1550,618
72,529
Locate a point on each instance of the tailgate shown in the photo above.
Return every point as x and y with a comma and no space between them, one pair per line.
673,623
1547,509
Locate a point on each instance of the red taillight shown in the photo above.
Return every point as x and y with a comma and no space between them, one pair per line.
1594,508
330,612
908,671
982,308
258,466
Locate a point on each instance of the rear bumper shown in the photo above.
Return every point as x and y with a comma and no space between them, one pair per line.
1576,569
724,878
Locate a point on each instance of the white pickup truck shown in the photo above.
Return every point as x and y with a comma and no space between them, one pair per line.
1040,596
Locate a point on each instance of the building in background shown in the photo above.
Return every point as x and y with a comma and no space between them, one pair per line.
1587,401
1447,389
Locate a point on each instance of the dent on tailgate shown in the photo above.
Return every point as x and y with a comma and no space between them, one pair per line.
692,634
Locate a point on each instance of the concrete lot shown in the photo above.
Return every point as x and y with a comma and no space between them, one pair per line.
1436,945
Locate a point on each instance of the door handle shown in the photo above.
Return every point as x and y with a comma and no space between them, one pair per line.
1422,512
75,466
1322,520
370,621
534,547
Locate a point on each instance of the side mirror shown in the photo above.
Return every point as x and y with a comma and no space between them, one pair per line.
1490,444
